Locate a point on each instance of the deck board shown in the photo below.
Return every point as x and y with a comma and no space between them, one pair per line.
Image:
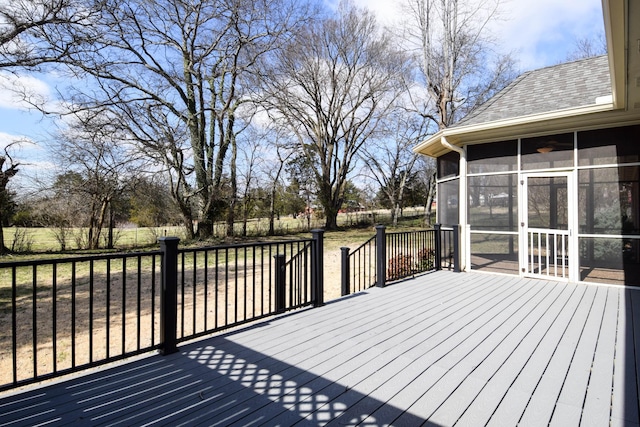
441,349
540,407
574,389
500,370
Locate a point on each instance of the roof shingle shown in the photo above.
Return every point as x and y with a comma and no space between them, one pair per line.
559,87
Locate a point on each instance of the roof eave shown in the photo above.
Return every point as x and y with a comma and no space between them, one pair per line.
517,127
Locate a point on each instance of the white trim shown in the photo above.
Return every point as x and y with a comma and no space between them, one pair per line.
572,221
513,172
504,233
588,118
447,179
610,236
608,166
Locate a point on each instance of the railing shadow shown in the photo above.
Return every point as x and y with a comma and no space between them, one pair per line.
218,382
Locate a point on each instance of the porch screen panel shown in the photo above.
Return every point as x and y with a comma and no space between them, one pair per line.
448,165
609,224
493,202
448,202
609,146
494,157
548,203
548,152
496,253
609,205
493,206
609,201
610,260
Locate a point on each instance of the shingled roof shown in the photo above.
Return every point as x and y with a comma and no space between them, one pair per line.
560,87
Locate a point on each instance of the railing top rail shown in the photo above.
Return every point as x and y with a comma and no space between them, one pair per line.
364,244
121,255
300,253
548,231
243,245
426,230
81,258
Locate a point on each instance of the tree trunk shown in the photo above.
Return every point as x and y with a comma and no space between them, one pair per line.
272,211
430,196
3,249
233,197
332,221
394,214
110,235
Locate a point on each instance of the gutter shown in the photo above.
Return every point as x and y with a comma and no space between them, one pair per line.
446,144
463,200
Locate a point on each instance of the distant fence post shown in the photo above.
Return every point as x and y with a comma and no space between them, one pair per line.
456,248
280,283
345,271
169,295
381,256
317,269
438,243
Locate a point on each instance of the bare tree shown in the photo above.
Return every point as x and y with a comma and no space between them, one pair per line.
390,160
8,169
456,66
457,69
281,149
426,169
98,152
331,87
33,32
250,158
587,47
173,74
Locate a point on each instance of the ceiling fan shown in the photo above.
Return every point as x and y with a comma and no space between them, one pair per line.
549,146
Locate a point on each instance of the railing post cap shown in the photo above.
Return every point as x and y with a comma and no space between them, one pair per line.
168,239
380,226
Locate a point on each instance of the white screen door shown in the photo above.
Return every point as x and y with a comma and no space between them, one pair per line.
546,239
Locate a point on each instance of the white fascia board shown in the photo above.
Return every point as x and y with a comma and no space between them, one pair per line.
510,128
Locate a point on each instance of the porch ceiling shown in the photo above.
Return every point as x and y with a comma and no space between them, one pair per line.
463,348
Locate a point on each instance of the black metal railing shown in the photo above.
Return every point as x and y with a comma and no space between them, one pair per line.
226,286
410,253
68,314
65,315
358,267
397,255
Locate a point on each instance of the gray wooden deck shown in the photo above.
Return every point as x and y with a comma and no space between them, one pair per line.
465,349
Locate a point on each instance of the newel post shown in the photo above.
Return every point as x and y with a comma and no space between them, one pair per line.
456,248
345,271
280,283
381,256
438,234
317,269
169,294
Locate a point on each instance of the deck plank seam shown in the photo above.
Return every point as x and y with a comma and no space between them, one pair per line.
551,290
435,362
543,316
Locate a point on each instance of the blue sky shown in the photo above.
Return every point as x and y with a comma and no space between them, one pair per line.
538,32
